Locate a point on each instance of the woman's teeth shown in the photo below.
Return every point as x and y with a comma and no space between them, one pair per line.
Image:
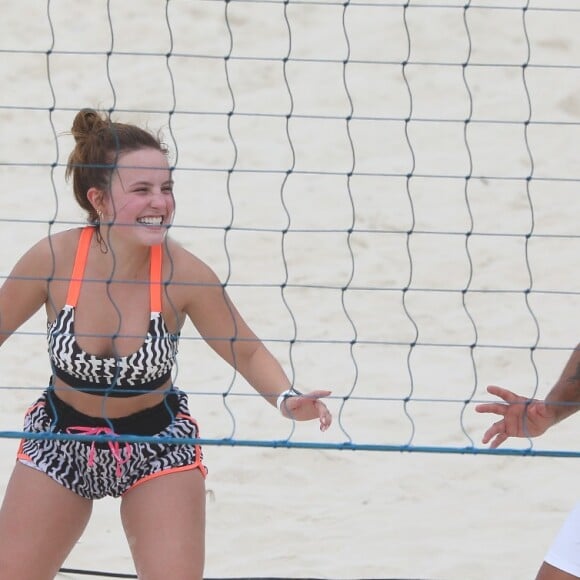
151,221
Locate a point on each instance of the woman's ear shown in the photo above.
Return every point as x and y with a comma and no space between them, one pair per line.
96,199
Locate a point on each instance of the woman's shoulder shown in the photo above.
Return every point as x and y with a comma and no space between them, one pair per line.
63,240
47,254
55,245
185,265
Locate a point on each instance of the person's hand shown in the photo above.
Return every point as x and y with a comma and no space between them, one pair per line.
306,407
520,417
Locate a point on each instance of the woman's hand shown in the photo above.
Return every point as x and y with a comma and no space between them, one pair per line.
520,417
307,406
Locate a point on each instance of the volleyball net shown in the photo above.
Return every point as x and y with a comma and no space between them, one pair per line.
388,191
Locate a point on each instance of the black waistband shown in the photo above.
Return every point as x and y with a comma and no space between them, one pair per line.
111,390
147,422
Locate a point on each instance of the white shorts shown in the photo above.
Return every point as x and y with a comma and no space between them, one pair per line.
564,553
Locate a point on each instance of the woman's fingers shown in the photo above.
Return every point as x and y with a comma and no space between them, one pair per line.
499,439
324,415
496,430
505,394
497,408
320,394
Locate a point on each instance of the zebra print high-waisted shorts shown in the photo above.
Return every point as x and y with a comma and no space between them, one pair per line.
95,469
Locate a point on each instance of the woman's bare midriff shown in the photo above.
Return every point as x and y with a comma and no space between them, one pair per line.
109,407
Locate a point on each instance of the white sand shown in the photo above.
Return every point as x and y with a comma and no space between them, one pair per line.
330,513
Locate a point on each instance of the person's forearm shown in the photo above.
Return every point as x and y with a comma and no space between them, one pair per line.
265,374
565,394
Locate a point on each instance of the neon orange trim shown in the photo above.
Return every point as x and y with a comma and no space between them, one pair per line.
155,278
19,453
32,407
23,457
74,287
197,465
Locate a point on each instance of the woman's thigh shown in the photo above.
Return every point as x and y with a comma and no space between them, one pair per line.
164,521
40,522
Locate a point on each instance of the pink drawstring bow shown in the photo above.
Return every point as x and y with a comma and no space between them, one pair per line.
113,445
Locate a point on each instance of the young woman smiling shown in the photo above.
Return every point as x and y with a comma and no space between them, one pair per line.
116,294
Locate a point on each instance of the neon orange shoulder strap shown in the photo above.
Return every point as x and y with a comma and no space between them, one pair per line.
155,278
74,287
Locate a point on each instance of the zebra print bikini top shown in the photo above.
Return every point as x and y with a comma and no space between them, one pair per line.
117,376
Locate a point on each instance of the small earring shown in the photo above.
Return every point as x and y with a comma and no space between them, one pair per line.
100,215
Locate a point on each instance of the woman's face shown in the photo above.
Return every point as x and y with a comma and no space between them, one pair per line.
141,204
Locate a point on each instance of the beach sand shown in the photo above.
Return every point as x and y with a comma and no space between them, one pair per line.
455,235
